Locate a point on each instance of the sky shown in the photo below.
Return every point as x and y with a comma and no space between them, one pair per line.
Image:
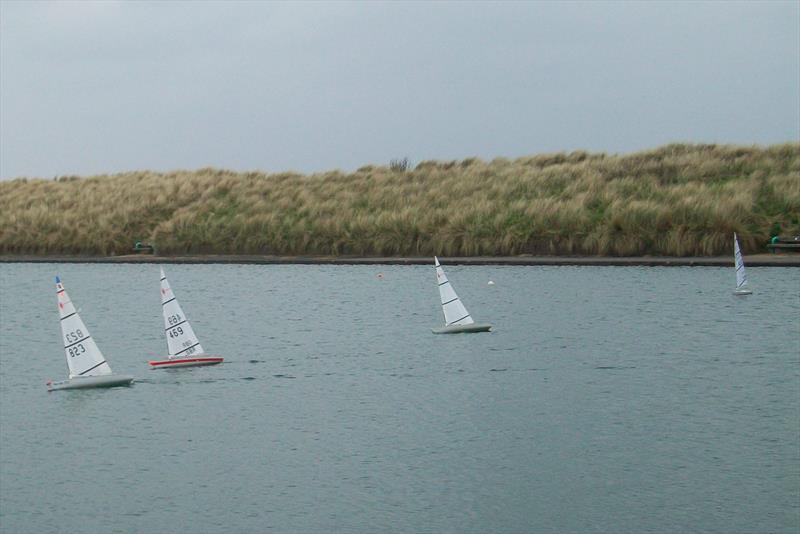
105,87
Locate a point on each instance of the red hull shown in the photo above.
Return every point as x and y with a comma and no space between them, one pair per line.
184,362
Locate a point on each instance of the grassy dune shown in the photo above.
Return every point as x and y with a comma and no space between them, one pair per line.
675,200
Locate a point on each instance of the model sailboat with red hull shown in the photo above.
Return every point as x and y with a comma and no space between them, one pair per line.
183,346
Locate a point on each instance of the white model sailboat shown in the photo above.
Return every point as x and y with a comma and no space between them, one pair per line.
87,365
741,275
183,346
456,317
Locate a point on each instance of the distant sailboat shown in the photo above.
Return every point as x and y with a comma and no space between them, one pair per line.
456,317
87,365
183,346
741,275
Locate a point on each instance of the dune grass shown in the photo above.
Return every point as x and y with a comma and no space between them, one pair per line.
676,200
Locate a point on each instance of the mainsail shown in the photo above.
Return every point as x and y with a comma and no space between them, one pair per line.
454,311
181,341
83,356
741,275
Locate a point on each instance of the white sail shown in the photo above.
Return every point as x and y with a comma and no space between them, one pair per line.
741,275
181,341
454,311
83,356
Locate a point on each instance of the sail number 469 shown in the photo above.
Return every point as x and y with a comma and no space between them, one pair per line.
176,332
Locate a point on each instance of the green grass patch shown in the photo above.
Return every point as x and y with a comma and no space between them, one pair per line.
676,200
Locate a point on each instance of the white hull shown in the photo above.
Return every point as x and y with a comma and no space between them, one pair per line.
740,292
83,382
462,329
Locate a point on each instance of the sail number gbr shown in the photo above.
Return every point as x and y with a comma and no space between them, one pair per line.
75,335
173,320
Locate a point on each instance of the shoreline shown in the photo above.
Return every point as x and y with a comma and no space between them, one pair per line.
753,260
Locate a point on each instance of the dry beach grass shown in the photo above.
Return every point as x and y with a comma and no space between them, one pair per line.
676,200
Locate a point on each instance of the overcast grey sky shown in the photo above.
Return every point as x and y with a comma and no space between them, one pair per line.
103,87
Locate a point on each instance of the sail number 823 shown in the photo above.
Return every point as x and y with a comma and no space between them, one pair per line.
76,350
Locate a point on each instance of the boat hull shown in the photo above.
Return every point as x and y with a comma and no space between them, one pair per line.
462,329
85,382
741,292
185,362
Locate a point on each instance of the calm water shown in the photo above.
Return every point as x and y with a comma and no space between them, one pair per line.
608,399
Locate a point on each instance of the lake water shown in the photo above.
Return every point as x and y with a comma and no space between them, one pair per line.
608,399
